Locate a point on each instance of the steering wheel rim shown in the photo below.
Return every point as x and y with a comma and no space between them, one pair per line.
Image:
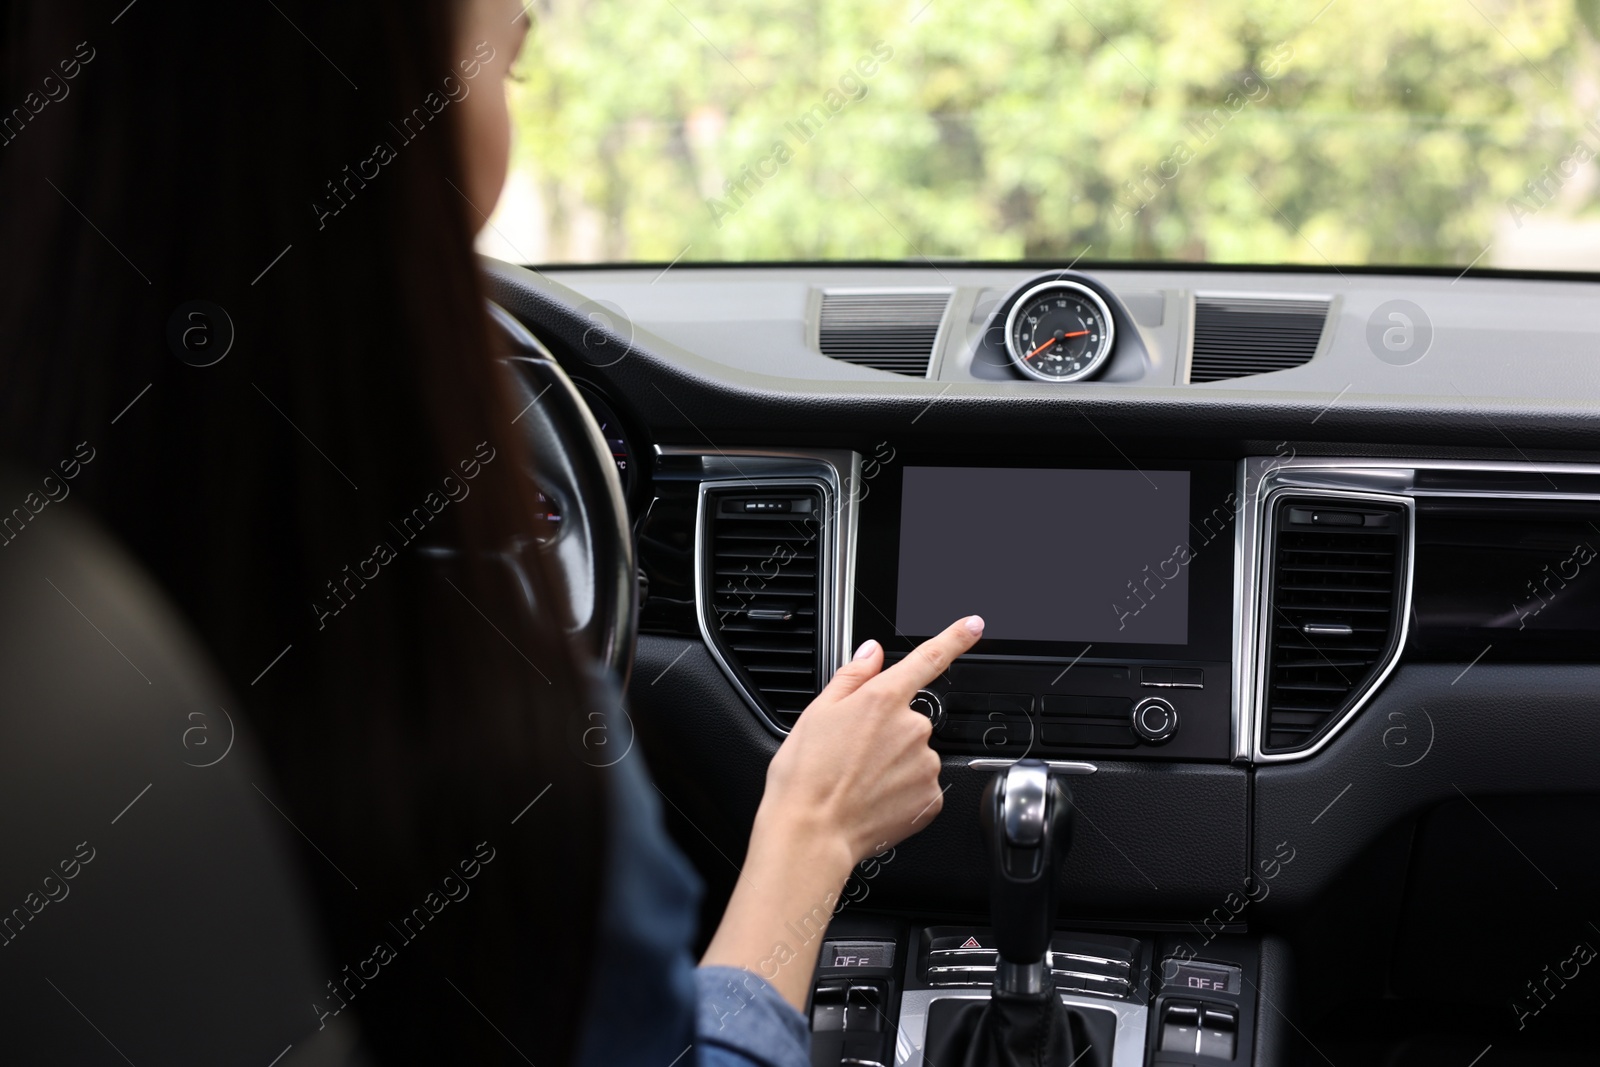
569,461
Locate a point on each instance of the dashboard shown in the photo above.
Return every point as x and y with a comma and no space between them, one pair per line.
1467,344
1292,573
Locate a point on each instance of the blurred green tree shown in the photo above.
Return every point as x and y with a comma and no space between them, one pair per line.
1229,131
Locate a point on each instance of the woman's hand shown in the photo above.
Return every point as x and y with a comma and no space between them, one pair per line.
857,765
855,776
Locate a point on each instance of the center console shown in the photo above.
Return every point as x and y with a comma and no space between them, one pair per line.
1111,616
1108,597
1113,607
1195,642
1021,992
879,978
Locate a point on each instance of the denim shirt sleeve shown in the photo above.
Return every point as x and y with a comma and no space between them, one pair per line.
648,1004
743,1020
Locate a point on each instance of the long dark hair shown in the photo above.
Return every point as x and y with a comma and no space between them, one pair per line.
171,154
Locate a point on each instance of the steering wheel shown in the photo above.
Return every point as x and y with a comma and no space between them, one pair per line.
568,459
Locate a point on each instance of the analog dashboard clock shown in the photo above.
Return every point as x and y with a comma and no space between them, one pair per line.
1059,331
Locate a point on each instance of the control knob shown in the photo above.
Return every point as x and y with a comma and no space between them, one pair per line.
1155,720
927,702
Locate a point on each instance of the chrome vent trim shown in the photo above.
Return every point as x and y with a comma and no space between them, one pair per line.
836,471
1238,335
1261,478
1331,620
1266,480
894,330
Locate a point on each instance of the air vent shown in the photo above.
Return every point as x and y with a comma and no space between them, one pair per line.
1236,336
765,587
1334,612
891,330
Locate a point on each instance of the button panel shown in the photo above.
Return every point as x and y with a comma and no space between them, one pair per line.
987,703
1200,1029
1089,735
1076,965
1000,707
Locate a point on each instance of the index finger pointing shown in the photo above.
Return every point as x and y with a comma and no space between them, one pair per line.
930,659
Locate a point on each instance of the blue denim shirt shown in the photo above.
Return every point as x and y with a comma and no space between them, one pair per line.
649,1005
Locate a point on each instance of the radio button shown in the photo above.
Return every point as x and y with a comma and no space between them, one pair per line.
1086,707
1087,735
1155,720
1173,677
959,703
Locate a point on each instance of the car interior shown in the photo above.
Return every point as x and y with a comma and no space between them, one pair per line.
1280,747
1307,634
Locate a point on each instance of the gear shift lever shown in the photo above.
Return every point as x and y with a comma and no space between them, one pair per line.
1026,819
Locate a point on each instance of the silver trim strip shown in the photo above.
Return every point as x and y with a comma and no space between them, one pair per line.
1118,987
1104,961
1059,766
836,473
1127,1049
1243,619
1056,955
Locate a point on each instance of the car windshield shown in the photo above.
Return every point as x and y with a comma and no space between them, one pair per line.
1439,133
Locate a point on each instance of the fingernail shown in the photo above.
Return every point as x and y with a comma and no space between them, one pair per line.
866,649
975,625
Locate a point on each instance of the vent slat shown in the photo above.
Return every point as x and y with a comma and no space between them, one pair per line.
1235,337
740,572
1334,587
888,331
762,562
735,592
1322,574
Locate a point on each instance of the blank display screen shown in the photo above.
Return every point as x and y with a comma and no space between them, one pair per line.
1046,555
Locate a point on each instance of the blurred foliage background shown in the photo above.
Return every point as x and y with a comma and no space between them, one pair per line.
1445,132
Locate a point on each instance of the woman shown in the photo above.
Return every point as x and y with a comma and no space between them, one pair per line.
238,252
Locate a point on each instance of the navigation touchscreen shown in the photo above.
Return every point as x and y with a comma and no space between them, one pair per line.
1046,555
